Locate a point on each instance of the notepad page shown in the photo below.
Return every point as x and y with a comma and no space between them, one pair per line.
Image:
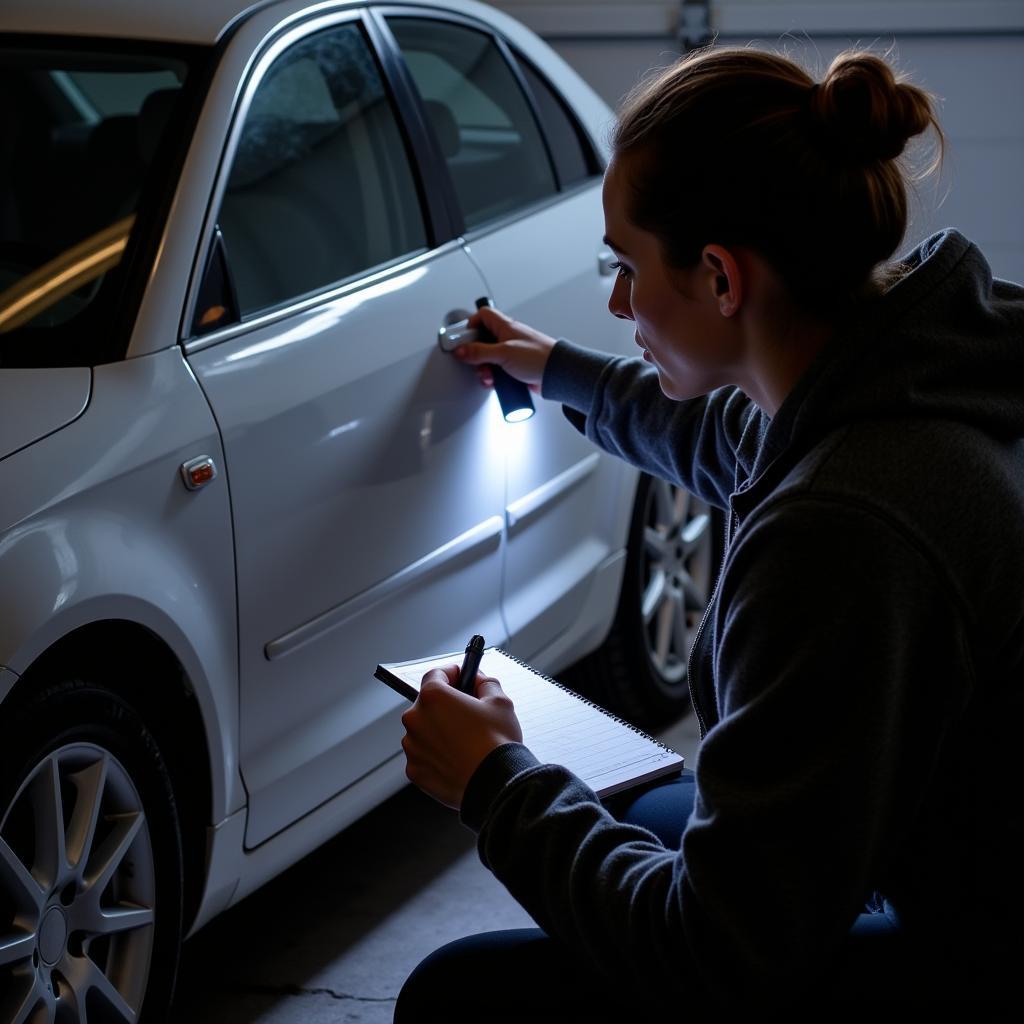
561,728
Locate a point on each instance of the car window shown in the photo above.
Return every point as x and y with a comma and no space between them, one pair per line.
79,135
320,187
571,151
482,120
96,95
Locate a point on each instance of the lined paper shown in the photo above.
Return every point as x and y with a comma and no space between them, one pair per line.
559,726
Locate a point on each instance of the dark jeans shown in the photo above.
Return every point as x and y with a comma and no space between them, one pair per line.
523,975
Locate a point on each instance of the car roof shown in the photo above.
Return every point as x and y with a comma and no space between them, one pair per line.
178,21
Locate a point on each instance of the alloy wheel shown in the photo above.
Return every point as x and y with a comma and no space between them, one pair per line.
677,574
77,892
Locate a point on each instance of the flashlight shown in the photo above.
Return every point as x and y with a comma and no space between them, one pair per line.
513,395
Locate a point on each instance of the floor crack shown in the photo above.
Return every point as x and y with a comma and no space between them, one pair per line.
303,990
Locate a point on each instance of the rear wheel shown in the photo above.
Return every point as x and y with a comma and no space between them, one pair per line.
673,556
90,863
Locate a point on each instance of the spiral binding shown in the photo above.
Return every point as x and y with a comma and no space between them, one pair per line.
583,700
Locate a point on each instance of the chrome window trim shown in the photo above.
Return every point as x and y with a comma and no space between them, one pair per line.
197,343
296,16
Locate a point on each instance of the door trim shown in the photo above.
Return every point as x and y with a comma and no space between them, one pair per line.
476,542
525,509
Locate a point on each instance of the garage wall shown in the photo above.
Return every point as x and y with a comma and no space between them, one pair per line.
969,53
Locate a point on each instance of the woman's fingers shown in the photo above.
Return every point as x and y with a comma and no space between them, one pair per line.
519,349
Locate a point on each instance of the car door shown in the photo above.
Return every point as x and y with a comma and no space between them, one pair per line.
366,486
527,186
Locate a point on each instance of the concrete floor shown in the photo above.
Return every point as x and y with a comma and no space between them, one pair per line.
333,938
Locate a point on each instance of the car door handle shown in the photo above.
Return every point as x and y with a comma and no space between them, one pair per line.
513,395
451,335
606,263
454,330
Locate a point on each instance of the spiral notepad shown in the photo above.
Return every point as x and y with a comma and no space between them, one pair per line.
559,726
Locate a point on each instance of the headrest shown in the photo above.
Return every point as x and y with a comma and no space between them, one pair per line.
445,128
153,117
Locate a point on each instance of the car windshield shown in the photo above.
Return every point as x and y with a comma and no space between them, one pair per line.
83,147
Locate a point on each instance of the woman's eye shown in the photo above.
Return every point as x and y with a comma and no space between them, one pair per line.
623,270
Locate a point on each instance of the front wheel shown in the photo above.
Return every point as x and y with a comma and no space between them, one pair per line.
90,863
672,560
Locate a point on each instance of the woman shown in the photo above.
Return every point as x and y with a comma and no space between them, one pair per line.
853,833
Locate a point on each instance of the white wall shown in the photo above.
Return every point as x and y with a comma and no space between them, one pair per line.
969,53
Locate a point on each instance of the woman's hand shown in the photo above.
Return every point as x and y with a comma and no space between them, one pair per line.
520,350
448,733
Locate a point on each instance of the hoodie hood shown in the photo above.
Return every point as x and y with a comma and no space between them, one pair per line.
946,342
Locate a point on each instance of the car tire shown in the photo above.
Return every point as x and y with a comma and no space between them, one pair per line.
90,862
673,556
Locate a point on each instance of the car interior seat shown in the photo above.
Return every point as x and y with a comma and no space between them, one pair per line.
490,167
153,118
446,131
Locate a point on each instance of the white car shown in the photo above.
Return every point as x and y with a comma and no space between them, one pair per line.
236,468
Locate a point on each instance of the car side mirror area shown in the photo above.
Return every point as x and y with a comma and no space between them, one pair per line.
217,305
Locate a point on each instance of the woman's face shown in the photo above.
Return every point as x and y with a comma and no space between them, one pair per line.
678,320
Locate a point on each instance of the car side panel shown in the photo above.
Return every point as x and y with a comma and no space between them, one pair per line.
367,478
96,524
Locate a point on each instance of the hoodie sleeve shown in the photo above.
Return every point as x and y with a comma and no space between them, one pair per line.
619,405
835,673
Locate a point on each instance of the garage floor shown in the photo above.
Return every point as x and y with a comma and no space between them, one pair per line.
334,937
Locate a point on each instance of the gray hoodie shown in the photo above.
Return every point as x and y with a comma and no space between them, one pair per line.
859,679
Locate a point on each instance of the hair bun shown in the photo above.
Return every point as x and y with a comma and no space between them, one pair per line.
864,111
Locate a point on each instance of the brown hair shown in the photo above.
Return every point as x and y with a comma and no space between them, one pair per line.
739,146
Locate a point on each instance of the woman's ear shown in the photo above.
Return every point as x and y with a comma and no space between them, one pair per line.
724,278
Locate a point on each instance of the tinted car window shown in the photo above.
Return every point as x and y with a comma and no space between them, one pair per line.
97,91
573,157
76,164
320,187
483,122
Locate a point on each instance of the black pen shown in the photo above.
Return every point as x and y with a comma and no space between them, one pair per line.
471,663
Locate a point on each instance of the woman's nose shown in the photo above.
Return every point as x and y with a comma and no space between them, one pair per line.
618,301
